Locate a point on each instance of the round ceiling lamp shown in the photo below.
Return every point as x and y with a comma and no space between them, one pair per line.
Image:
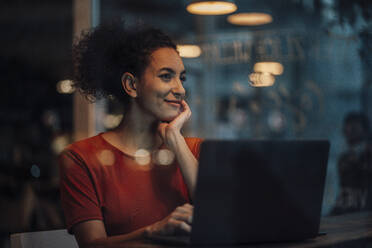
207,7
189,51
250,19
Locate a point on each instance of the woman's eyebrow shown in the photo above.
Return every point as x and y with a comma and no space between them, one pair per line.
167,69
171,70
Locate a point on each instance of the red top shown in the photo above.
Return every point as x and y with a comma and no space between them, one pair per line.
100,182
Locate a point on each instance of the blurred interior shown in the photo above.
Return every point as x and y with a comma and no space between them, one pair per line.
320,54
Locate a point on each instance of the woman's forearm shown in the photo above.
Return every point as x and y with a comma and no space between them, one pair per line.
186,160
85,240
92,234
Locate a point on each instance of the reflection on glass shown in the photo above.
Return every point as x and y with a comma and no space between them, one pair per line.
250,19
211,7
189,51
261,79
65,87
273,68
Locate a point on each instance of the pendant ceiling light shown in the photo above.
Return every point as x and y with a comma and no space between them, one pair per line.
189,51
250,19
274,68
263,75
207,7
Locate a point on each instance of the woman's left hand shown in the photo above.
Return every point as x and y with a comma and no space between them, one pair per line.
170,131
173,139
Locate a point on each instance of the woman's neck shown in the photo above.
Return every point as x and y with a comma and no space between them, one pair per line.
136,131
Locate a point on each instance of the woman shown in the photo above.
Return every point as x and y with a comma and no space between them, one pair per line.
107,196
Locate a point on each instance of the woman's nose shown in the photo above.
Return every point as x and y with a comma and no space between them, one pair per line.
178,89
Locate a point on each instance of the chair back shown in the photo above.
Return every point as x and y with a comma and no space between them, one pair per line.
44,239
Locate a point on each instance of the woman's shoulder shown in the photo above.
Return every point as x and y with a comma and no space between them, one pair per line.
83,152
87,144
85,148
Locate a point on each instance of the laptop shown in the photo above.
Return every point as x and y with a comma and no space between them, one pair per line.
257,192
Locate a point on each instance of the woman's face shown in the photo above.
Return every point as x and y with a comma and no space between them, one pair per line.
160,89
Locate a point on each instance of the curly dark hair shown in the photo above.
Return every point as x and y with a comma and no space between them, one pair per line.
104,53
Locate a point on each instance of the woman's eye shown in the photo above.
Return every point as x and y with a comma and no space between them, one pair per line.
183,78
166,77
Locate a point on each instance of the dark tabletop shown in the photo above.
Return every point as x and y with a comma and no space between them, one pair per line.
349,230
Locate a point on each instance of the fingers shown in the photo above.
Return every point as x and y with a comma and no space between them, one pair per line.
188,205
183,116
172,227
185,106
179,227
186,208
176,124
184,227
185,217
178,222
184,213
162,129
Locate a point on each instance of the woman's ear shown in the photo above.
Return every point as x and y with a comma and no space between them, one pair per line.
129,84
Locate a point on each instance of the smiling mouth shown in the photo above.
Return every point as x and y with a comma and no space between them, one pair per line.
174,103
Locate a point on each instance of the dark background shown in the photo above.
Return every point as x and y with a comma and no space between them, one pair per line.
36,120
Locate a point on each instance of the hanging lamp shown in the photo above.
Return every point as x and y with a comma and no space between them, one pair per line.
250,19
207,7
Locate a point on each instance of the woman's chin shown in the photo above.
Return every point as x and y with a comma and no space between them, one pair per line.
168,118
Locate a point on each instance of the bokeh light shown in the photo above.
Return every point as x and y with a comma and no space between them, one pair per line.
189,51
163,157
249,19
59,143
65,87
111,121
276,121
106,157
211,7
35,171
274,68
258,79
142,157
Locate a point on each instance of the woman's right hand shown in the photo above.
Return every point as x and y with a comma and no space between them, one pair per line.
178,222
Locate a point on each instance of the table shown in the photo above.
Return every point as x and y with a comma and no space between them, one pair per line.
349,230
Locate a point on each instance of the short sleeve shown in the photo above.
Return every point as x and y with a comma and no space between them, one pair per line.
196,149
78,195
194,145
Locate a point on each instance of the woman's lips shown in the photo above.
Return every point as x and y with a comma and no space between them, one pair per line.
174,103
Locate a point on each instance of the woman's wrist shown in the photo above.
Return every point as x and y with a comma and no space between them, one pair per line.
174,139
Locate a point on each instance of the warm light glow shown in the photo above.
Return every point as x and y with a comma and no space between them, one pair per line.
239,88
211,7
106,157
65,87
276,121
249,19
142,157
274,68
189,51
111,121
163,157
59,143
259,79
